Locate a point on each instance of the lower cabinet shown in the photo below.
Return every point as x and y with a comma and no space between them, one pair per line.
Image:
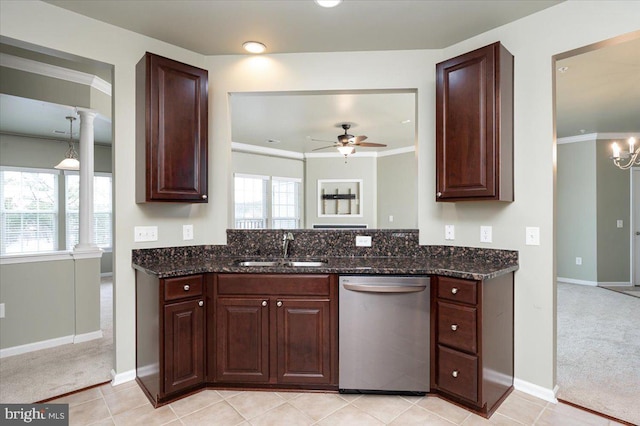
472,347
170,335
275,330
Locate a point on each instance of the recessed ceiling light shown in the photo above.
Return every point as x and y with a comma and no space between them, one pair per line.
563,69
254,47
328,3
405,122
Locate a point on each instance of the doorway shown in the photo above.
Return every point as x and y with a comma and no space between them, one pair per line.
598,346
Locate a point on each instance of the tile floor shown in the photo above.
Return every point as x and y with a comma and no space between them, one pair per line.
126,404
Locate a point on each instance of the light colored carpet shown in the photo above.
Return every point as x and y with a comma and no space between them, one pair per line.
599,350
631,291
43,374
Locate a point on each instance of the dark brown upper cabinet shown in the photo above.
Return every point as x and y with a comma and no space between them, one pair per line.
171,131
474,126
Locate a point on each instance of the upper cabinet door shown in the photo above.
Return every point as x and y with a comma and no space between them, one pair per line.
474,126
171,131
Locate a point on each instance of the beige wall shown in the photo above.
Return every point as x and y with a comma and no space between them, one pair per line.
533,40
397,191
577,218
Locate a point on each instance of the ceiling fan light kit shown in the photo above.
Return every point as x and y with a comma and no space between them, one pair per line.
347,143
328,3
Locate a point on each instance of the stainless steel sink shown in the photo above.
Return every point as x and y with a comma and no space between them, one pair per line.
283,262
304,263
259,263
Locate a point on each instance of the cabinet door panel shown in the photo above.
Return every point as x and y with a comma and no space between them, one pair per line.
466,122
173,137
242,345
304,341
184,345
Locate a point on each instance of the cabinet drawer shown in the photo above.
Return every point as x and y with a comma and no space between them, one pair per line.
458,373
464,291
273,284
457,326
181,287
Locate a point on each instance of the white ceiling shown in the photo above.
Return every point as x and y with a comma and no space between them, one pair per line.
599,93
292,120
292,26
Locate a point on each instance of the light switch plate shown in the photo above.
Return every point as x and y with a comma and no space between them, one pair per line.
145,233
1,310
619,223
532,236
363,241
449,232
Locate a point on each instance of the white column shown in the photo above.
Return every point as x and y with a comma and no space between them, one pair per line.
85,239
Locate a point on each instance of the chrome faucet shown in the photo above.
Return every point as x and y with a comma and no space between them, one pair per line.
286,239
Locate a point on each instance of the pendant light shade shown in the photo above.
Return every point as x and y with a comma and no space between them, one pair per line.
70,161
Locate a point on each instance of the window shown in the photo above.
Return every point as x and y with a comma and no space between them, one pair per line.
101,209
250,195
40,210
285,201
29,210
260,205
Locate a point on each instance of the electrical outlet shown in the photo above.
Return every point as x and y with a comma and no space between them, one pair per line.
449,232
486,234
578,261
363,241
187,232
390,218
619,223
145,233
1,310
532,236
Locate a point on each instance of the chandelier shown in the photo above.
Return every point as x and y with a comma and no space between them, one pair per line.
70,161
626,159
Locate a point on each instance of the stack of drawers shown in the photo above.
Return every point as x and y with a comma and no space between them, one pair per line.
457,372
473,340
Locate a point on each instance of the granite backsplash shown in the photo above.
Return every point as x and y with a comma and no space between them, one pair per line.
267,243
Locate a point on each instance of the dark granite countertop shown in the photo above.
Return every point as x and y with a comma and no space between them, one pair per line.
393,253
472,268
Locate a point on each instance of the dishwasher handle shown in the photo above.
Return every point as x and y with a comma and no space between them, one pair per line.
385,288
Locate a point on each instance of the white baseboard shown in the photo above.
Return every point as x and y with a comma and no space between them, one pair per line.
50,343
36,346
536,390
572,281
79,338
616,283
120,378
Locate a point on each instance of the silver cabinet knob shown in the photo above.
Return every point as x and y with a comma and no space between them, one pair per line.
201,303
454,290
454,327
454,373
264,303
279,303
204,196
186,287
439,194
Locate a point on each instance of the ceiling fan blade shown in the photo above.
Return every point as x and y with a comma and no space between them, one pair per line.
320,140
359,139
324,147
369,144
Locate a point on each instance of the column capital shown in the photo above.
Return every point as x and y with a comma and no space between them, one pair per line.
86,113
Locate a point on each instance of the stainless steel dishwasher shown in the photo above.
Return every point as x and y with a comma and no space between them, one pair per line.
384,334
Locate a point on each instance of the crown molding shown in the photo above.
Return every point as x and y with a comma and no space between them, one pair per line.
55,71
595,136
255,149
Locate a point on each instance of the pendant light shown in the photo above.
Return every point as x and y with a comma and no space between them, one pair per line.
70,161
